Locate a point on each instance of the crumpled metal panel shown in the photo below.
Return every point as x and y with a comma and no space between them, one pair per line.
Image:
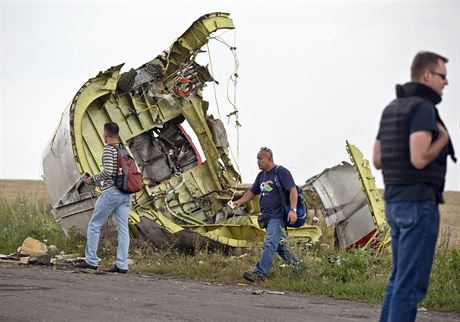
345,204
340,192
355,228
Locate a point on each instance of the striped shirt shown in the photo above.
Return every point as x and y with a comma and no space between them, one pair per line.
110,167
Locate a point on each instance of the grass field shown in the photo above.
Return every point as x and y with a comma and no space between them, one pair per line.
361,275
450,217
36,190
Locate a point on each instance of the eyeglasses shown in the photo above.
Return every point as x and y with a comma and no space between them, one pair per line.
442,76
264,148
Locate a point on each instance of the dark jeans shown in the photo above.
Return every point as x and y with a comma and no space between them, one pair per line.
414,231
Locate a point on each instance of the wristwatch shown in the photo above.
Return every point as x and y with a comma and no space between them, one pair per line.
293,209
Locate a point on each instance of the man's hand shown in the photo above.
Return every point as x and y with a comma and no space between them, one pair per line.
423,150
248,196
88,180
292,217
442,130
237,203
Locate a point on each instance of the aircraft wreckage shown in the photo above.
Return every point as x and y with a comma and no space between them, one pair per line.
184,199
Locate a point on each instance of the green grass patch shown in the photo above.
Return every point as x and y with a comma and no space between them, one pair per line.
356,275
444,291
24,217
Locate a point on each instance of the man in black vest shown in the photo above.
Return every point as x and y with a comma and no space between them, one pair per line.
411,149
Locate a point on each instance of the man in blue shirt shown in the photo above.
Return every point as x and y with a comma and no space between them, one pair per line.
271,209
411,149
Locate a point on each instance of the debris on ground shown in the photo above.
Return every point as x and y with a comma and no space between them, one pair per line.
260,292
43,259
32,247
35,252
65,257
24,260
276,292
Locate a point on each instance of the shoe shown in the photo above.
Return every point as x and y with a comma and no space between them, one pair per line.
253,277
84,265
115,269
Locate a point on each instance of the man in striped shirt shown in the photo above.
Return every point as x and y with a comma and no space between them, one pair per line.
112,200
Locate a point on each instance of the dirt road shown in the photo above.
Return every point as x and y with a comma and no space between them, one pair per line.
44,294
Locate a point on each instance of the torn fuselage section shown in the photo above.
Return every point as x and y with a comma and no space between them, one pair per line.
350,201
345,206
182,151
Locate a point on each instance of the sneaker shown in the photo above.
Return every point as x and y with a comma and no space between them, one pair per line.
253,277
115,269
84,265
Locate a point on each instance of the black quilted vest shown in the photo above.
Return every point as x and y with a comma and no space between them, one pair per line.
394,137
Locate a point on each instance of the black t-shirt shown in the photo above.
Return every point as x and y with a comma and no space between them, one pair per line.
270,200
422,118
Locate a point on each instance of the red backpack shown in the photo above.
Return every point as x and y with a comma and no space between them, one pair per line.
128,179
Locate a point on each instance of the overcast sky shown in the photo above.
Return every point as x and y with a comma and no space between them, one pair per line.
312,74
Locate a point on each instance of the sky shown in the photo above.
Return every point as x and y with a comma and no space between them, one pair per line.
311,74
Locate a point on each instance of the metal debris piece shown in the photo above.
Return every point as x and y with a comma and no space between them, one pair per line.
13,256
351,202
276,292
65,257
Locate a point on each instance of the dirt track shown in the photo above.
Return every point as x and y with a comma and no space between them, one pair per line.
44,294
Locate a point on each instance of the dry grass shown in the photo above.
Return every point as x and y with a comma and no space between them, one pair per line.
36,190
450,218
29,189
